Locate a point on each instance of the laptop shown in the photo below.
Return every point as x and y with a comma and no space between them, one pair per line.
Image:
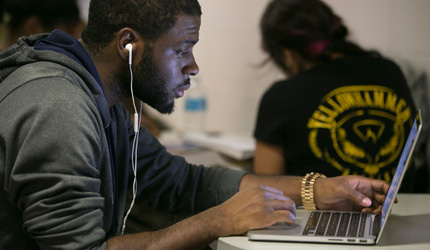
341,226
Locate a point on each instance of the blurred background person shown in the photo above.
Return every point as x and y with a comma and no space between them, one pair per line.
26,17
342,110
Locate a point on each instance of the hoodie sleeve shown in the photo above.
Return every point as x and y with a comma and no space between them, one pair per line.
54,151
167,182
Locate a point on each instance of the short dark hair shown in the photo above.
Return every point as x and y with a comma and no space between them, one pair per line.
151,18
298,25
50,12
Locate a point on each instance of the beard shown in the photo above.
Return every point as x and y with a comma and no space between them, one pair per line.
149,84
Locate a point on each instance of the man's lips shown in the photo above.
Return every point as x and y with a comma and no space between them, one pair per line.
180,91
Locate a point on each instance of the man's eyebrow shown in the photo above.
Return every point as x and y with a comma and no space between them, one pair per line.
189,41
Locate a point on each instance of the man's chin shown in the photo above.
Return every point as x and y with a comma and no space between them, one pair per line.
166,109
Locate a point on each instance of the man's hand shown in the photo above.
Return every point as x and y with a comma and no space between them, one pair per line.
256,207
350,193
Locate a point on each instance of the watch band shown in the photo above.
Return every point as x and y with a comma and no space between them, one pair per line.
308,190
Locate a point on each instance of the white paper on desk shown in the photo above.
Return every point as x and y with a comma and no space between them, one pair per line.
236,147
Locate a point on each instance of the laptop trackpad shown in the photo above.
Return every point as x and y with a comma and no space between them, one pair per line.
294,228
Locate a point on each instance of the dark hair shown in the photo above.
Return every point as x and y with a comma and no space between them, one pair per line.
308,27
151,18
50,12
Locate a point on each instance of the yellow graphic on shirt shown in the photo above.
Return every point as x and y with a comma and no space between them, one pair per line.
366,127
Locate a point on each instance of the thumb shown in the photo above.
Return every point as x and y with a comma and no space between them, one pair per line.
358,198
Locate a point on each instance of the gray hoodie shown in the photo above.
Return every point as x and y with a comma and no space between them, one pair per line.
58,185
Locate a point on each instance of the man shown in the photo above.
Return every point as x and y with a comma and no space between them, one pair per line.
65,148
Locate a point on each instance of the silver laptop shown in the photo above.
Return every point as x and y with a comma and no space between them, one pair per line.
339,226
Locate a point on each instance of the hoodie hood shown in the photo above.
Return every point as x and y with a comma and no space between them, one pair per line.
60,48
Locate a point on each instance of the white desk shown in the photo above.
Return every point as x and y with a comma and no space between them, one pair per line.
408,227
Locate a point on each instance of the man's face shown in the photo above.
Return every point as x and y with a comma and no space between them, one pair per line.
164,71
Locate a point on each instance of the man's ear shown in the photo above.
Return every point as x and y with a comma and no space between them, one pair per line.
127,36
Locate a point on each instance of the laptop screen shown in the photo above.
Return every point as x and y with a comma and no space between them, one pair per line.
403,162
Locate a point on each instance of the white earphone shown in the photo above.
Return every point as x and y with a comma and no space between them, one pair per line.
129,47
137,118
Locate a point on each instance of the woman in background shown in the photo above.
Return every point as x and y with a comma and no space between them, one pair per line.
342,110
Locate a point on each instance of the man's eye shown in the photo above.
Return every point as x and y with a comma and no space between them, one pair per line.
182,52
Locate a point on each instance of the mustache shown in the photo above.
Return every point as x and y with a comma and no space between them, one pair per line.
186,82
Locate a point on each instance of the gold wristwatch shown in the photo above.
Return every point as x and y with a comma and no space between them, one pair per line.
308,189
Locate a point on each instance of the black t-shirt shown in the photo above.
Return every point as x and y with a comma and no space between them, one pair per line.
348,116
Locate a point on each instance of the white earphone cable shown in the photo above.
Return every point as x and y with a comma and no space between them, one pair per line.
137,121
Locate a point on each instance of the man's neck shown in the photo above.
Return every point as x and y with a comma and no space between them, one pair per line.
106,65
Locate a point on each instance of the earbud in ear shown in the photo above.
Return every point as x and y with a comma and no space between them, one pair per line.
129,47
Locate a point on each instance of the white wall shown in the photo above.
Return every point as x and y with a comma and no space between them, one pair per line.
397,28
229,51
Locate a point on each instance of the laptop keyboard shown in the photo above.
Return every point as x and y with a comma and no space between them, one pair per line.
336,224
